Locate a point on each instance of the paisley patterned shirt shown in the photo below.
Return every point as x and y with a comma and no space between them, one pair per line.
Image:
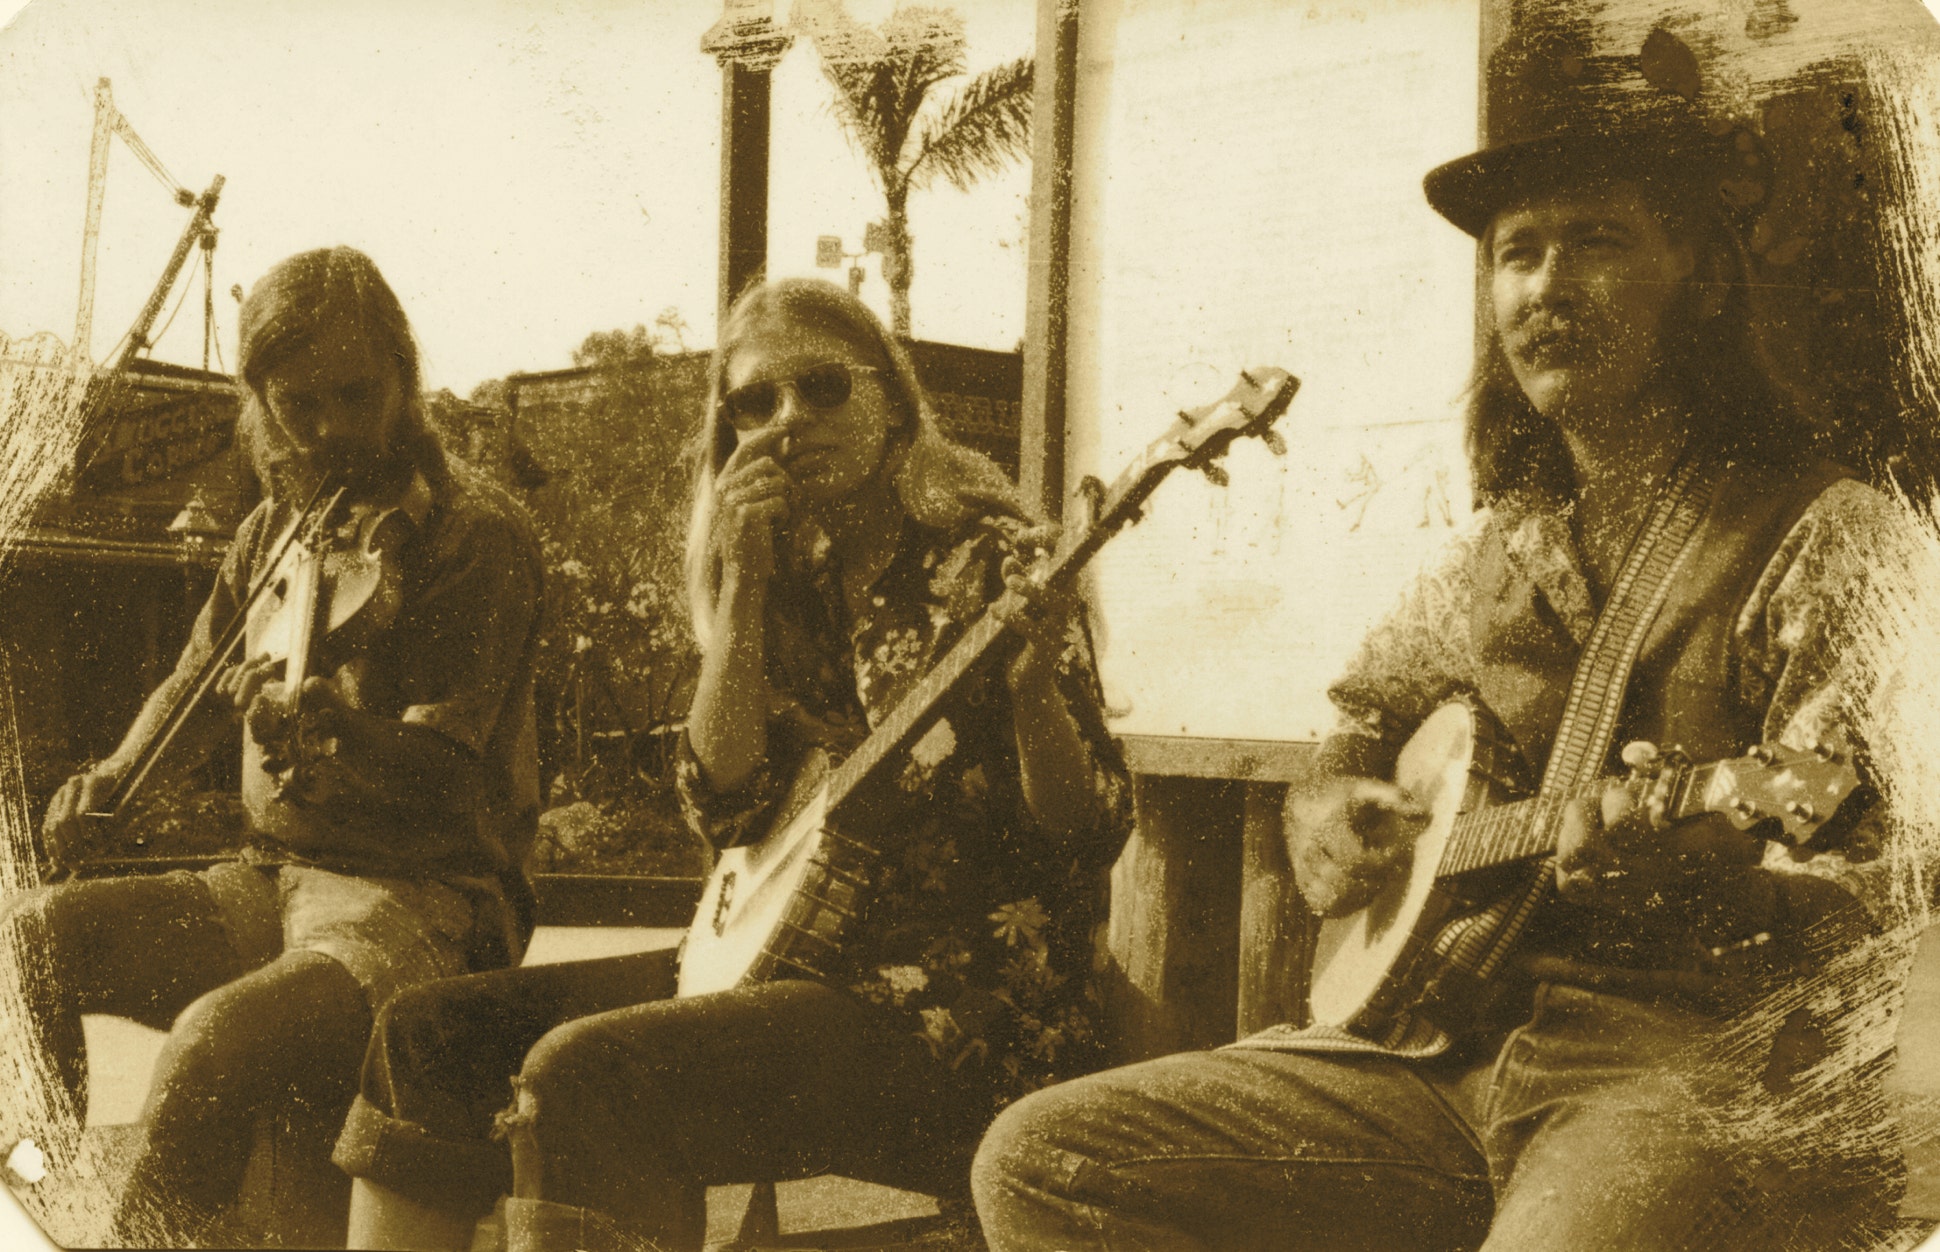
982,927
1796,654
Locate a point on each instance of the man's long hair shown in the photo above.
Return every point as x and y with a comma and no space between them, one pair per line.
1713,363
941,483
288,307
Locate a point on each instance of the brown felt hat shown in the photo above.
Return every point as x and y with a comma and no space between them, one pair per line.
1561,114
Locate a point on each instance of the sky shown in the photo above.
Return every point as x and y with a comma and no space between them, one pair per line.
523,171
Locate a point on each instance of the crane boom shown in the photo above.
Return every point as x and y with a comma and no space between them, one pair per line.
205,206
104,128
108,122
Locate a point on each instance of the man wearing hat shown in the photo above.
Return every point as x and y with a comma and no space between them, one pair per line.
1613,1086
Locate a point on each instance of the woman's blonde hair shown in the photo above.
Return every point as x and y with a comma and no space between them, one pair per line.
942,484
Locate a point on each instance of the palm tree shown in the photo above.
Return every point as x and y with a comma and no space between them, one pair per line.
883,80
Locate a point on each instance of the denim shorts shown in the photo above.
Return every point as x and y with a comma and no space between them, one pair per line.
390,933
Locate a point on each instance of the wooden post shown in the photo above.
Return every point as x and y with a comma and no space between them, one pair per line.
748,46
1054,109
1175,919
1276,932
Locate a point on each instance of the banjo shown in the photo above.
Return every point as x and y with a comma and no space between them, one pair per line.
779,907
1372,968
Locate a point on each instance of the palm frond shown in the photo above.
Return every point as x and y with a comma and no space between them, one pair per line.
853,57
983,128
881,77
926,46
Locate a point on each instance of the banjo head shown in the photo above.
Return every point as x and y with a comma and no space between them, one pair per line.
1354,955
746,898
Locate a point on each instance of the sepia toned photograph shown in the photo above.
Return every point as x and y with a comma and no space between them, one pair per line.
1034,625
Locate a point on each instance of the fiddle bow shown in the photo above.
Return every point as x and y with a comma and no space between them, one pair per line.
327,570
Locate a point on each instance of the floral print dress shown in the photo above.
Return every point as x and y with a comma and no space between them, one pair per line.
982,928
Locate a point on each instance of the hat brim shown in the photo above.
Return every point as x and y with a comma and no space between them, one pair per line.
1471,190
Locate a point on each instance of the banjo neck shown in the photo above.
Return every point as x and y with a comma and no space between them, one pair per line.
919,708
1194,441
781,905
1522,829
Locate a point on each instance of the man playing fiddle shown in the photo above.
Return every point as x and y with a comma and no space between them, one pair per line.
1615,1088
389,803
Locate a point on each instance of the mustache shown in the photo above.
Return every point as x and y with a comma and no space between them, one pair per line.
1543,331
350,464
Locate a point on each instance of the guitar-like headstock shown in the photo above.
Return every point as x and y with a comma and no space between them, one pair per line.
1799,790
1197,439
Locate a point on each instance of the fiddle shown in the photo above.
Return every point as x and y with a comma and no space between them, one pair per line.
332,579
337,594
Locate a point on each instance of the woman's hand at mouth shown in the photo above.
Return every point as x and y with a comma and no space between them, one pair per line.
753,498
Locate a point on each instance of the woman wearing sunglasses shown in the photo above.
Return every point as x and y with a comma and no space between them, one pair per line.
839,545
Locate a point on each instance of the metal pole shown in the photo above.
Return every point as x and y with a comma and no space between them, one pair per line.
205,205
104,115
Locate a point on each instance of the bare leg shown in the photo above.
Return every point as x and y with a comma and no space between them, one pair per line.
290,1033
140,948
384,1220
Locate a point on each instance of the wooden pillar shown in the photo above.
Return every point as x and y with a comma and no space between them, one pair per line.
1041,432
1276,932
1174,925
748,46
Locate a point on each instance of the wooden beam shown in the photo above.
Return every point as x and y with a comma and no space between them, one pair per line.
563,899
1193,756
1054,109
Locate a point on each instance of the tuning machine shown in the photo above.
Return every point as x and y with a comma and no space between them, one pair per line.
1092,492
1643,758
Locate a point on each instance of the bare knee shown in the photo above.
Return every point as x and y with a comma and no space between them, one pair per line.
32,924
202,1052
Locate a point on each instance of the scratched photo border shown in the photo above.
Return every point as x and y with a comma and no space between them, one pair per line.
1892,47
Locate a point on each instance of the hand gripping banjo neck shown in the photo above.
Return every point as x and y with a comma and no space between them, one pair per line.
778,907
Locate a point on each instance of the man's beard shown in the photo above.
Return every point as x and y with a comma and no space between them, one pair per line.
362,471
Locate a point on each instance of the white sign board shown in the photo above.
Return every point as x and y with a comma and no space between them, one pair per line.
1247,190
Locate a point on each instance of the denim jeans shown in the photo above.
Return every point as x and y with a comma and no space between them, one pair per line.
1594,1127
630,1102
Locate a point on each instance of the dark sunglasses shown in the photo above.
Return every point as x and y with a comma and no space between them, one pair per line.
825,386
